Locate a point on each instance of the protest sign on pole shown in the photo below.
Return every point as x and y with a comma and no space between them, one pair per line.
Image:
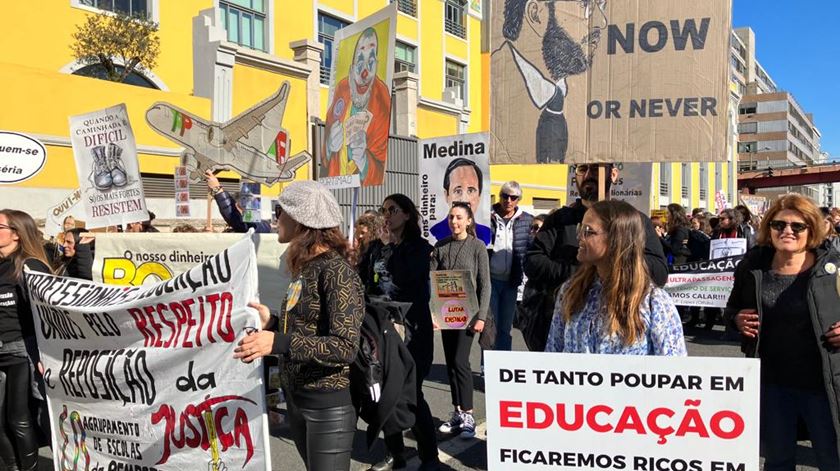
106,164
704,284
454,301
454,168
597,81
721,248
21,157
54,224
144,377
138,259
635,181
182,192
756,204
355,148
572,411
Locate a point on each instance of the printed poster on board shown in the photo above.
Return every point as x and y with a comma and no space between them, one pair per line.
721,248
454,168
454,302
144,377
634,185
605,80
705,284
567,411
355,149
21,157
106,164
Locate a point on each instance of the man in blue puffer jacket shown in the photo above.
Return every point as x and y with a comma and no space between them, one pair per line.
229,208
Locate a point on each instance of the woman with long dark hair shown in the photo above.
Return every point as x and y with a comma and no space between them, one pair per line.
463,251
399,269
611,305
318,330
21,246
677,231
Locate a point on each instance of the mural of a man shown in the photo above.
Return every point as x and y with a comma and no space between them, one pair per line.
562,57
359,118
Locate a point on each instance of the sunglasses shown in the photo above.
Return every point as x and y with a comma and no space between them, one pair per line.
392,210
796,227
535,228
506,196
277,211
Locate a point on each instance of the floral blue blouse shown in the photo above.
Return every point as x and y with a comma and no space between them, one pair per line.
586,332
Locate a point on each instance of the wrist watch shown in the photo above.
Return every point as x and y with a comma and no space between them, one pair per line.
216,190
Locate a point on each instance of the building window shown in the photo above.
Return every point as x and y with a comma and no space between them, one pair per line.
704,180
456,81
409,7
126,7
718,176
327,27
686,180
747,109
455,18
98,71
747,147
747,128
405,58
664,178
245,22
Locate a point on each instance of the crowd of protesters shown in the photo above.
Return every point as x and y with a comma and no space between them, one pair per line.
585,278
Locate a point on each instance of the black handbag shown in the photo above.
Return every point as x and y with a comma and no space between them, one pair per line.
533,316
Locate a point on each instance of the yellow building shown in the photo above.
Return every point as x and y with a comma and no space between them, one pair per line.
219,57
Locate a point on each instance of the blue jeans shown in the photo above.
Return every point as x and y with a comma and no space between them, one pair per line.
502,306
781,407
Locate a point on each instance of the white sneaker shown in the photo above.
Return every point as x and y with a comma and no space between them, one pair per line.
453,424
467,425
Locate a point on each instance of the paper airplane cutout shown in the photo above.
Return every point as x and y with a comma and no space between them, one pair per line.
253,144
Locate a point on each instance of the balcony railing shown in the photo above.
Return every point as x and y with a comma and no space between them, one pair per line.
409,7
663,189
454,18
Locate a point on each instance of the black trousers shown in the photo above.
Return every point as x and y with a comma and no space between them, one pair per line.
422,350
323,437
456,349
16,418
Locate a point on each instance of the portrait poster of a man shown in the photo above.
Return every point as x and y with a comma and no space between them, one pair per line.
355,147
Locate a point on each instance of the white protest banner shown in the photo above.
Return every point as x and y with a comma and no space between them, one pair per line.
572,411
137,259
21,157
106,163
705,284
454,168
453,302
634,185
721,248
144,377
56,215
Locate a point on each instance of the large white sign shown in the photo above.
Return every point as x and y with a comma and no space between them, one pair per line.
144,377
454,168
21,157
634,185
707,283
721,248
571,411
106,164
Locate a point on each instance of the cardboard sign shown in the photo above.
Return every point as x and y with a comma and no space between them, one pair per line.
607,80
21,157
106,163
722,248
634,185
454,168
182,192
54,224
355,149
704,284
454,301
144,377
564,411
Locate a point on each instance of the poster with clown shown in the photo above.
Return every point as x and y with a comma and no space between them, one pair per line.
355,148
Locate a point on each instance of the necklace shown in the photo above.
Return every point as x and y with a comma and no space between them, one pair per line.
452,261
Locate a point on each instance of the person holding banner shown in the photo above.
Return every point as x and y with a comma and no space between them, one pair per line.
463,251
611,305
318,332
229,207
20,247
784,302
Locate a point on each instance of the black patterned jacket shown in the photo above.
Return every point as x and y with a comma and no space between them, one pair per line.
322,336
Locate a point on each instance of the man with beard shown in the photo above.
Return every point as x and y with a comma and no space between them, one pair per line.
552,257
358,118
563,57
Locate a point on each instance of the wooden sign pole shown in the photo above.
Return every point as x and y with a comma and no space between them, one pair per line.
602,182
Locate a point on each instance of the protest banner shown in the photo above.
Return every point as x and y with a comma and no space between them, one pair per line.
454,301
705,284
571,411
56,214
722,248
182,192
250,201
138,259
355,148
21,157
597,81
720,201
634,185
144,377
756,204
106,164
454,168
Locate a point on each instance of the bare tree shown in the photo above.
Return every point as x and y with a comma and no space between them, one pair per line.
121,44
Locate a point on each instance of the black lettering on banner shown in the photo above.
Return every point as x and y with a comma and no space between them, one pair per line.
626,39
191,383
108,375
517,376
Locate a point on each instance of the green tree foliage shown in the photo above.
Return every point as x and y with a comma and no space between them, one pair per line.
121,44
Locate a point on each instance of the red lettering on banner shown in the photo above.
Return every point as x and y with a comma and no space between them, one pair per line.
170,325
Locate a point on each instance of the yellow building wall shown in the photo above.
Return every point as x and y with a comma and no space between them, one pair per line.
434,124
530,176
431,49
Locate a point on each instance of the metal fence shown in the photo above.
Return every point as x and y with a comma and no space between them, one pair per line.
401,174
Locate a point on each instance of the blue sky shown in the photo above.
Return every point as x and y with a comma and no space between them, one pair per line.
801,54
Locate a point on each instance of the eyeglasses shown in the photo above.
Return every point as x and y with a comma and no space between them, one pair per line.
535,228
796,227
4,226
506,196
392,210
585,232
